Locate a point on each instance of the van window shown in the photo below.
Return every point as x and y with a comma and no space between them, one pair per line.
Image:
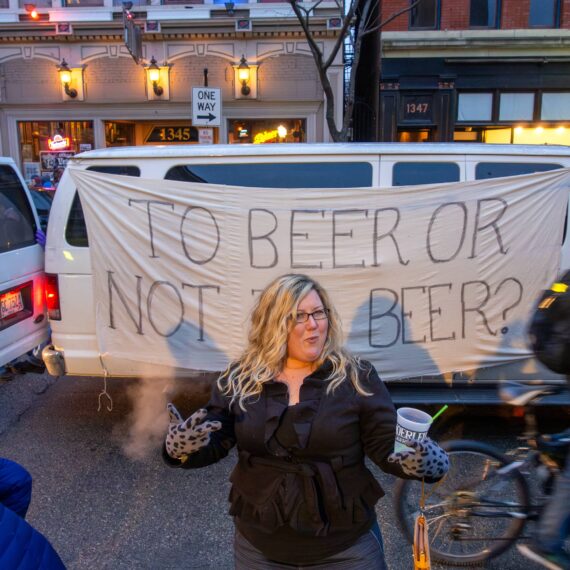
75,230
485,170
411,173
42,201
17,224
280,175
120,170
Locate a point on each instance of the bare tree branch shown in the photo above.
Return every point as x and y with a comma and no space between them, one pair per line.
304,21
342,34
306,11
322,71
366,23
316,5
392,17
368,14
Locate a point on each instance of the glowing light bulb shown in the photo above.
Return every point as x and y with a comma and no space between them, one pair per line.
65,76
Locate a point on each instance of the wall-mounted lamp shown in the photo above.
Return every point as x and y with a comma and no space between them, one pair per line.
230,8
157,81
154,77
65,78
31,10
245,79
244,76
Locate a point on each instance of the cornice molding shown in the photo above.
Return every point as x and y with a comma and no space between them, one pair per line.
108,37
476,43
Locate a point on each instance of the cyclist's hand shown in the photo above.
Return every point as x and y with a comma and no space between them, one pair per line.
187,436
426,459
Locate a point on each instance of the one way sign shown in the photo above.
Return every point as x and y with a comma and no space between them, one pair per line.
206,106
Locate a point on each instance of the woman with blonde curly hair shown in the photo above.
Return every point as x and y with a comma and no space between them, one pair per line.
304,413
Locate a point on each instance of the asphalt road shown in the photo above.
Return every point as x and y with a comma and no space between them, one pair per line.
102,494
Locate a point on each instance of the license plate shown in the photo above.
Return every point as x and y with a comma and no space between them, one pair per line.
10,303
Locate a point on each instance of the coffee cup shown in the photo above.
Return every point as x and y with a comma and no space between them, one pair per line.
411,424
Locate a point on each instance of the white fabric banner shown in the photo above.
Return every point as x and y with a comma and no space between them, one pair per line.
427,279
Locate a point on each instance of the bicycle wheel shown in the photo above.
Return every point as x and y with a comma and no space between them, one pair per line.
475,513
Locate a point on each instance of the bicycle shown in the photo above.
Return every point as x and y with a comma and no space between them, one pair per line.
480,509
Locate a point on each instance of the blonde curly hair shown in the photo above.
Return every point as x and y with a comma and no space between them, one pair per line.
272,319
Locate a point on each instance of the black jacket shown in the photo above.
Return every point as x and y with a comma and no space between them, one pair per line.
305,472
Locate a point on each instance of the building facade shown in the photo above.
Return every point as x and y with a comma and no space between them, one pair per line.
495,71
84,74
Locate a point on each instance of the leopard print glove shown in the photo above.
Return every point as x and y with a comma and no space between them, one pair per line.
185,437
426,459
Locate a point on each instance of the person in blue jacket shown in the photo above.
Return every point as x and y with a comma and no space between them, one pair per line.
21,546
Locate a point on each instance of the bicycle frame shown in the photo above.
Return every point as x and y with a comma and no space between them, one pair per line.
489,486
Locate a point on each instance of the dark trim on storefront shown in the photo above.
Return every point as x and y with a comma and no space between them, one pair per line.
436,81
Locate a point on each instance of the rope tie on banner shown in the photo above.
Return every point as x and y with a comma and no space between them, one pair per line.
104,392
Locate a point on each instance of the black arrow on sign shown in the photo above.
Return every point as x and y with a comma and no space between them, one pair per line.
209,116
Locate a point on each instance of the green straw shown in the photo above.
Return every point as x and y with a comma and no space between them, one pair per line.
439,413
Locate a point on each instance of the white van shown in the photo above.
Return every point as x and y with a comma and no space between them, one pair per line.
68,267
23,317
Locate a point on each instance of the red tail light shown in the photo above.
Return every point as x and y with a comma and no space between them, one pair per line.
52,297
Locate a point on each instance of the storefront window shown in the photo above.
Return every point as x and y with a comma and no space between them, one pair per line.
415,135
467,134
498,136
46,146
516,107
261,131
555,107
119,134
489,135
541,135
514,135
475,107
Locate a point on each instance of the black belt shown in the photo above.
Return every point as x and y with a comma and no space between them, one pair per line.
318,475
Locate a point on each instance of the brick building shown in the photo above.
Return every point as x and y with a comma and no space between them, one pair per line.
68,82
495,71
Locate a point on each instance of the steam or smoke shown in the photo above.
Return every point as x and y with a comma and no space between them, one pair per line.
148,421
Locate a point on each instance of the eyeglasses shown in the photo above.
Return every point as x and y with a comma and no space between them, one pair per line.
318,315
